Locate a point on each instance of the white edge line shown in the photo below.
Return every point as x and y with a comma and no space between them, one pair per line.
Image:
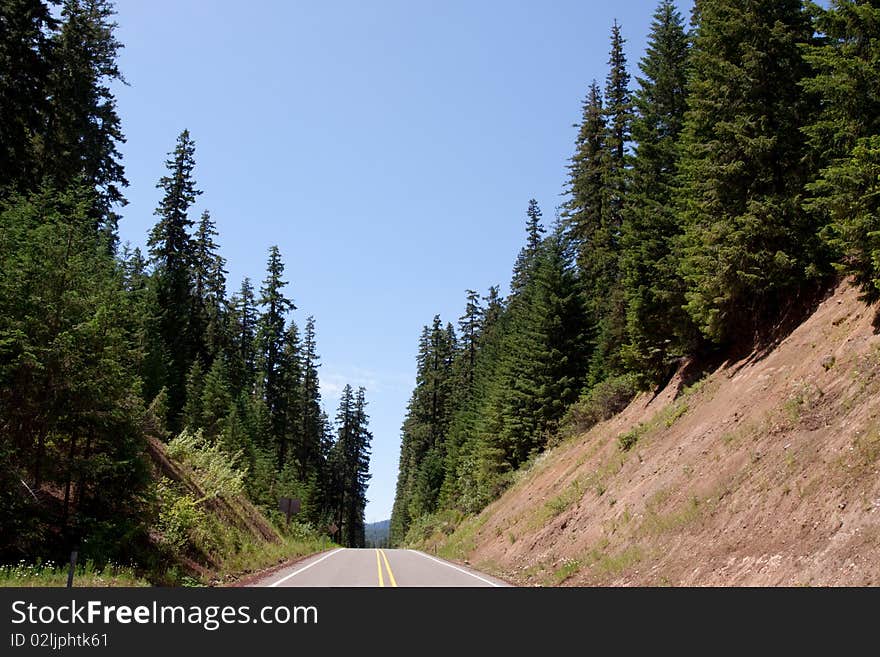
461,570
297,572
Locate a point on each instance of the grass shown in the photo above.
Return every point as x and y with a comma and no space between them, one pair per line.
801,401
568,568
250,557
675,412
604,563
554,506
463,540
660,523
253,556
614,564
665,417
866,446
48,574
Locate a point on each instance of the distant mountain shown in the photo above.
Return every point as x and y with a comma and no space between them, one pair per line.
377,533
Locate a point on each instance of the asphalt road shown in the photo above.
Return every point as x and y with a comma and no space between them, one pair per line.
370,567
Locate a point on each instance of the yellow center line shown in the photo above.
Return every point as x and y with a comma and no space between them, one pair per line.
388,566
379,566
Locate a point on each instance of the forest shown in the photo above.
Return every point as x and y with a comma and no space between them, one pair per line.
708,203
104,348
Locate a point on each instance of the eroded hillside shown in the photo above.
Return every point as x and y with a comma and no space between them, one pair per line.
764,472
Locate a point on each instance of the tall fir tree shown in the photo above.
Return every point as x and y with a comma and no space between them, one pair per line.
84,131
526,258
171,251
243,328
747,244
270,349
619,115
309,451
350,461
209,282
611,316
658,329
585,213
469,329
543,365
845,138
216,401
24,37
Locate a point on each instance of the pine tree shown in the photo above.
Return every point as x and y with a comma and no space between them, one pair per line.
619,115
69,394
543,362
360,463
586,211
658,329
525,259
290,375
425,427
309,449
610,313
243,329
350,461
216,400
84,131
587,218
192,409
171,251
469,328
209,283
494,307
23,89
270,348
845,138
747,244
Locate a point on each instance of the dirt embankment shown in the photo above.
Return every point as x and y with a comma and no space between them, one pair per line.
766,472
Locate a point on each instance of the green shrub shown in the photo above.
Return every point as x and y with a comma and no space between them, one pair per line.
179,516
214,470
601,402
626,441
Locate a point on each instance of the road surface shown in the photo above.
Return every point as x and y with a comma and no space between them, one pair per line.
371,567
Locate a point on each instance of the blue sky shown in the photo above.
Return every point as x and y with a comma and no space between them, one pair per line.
389,148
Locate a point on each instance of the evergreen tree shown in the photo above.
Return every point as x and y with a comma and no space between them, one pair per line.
290,375
469,328
658,329
209,283
350,460
171,251
610,313
310,451
216,400
845,138
243,338
586,211
192,409
270,348
84,131
619,115
543,364
588,219
494,307
747,244
525,259
69,397
423,434
24,72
